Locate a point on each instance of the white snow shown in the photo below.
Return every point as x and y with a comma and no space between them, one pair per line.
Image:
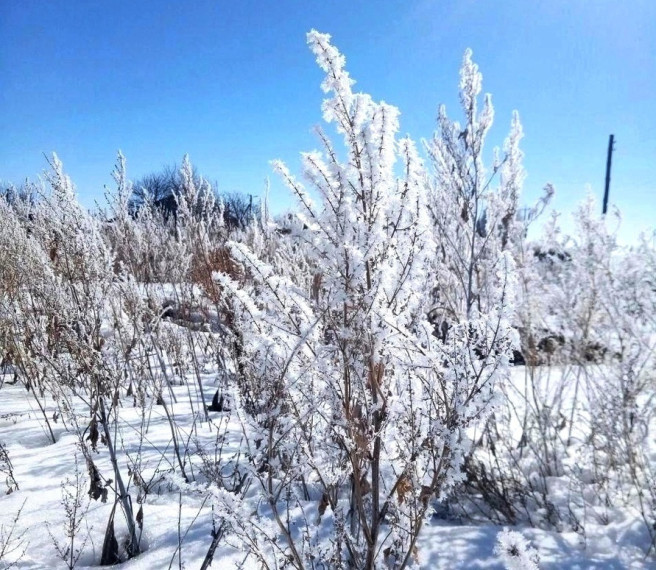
41,467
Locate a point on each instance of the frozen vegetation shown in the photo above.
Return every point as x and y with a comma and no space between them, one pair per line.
391,376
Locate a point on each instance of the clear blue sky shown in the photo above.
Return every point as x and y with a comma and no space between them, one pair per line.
234,85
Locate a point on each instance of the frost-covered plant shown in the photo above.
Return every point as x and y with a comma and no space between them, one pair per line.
143,239
75,507
7,469
515,551
622,415
474,218
24,271
602,299
587,422
119,223
481,238
13,544
354,412
60,315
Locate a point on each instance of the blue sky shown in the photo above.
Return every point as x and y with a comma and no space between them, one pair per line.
234,85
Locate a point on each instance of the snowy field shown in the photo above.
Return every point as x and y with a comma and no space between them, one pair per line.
177,514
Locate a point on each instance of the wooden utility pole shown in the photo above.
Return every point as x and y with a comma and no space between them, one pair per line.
611,143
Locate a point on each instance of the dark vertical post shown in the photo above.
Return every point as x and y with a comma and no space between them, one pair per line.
611,142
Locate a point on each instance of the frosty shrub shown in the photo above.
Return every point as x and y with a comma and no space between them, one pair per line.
515,551
13,544
7,470
473,211
583,426
75,507
356,412
58,322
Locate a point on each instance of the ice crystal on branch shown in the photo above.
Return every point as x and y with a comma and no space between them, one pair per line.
515,551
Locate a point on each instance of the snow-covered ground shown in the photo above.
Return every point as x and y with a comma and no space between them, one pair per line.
175,513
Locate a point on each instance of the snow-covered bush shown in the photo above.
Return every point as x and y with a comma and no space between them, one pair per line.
356,412
569,444
59,318
473,216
